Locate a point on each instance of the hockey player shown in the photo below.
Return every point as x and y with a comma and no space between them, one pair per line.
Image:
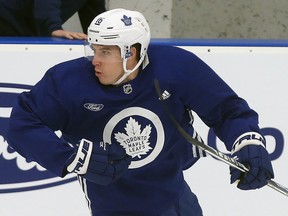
116,136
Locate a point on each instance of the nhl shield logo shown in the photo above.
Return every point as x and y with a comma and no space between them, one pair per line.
127,88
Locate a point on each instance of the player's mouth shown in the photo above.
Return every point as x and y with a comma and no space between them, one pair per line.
98,73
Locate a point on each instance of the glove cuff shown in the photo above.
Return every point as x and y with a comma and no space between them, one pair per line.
249,138
80,163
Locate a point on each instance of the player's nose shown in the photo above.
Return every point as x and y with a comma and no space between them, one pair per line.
96,60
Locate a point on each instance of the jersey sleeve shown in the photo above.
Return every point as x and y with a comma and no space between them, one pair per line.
89,11
214,101
47,16
33,122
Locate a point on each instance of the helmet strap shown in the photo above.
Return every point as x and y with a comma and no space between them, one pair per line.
128,72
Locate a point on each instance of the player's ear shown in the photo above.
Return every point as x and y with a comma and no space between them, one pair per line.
133,52
132,59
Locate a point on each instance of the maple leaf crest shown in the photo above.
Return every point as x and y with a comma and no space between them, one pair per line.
135,141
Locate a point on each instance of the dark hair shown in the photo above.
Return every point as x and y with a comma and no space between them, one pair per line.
138,49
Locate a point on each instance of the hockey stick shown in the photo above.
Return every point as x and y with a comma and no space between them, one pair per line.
211,151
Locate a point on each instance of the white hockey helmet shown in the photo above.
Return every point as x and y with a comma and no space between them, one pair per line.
122,28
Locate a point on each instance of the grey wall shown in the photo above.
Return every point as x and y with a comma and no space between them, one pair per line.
250,19
257,19
157,12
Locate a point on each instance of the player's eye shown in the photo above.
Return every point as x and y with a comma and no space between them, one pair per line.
105,52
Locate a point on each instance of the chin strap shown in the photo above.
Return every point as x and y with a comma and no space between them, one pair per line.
144,60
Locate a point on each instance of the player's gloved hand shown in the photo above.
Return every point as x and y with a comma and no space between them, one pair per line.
249,149
99,163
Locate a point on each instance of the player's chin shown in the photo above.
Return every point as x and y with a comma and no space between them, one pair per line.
104,81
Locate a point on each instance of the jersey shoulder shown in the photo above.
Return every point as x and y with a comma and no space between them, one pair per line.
171,56
73,63
169,50
173,62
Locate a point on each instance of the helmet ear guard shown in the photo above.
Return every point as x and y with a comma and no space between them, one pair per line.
123,28
128,54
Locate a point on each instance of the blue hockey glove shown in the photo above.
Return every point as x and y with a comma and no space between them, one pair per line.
249,149
99,163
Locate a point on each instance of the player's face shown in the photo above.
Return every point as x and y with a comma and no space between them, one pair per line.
108,63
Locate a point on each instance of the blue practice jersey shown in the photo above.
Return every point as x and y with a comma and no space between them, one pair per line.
70,98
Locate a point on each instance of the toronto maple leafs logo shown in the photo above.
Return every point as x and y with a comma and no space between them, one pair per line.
139,131
126,20
135,141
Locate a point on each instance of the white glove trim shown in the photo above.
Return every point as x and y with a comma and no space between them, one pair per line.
80,163
249,138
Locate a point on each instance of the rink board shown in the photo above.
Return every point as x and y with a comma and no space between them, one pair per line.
256,70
